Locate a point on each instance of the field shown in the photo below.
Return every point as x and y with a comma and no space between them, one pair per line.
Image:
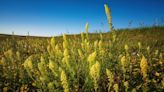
125,60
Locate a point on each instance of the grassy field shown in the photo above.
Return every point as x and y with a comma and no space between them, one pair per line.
148,36
125,60
66,62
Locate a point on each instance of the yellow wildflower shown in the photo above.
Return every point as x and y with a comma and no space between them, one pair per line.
64,82
92,57
51,65
110,79
30,65
95,74
123,61
116,89
86,27
53,41
144,66
126,47
108,14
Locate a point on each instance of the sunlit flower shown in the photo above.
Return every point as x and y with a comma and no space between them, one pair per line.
95,74
86,27
126,47
144,66
108,14
92,57
116,88
64,82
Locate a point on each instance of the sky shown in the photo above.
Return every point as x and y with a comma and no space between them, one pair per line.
55,17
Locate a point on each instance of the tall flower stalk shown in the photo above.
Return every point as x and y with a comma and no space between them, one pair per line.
64,81
86,29
95,74
109,17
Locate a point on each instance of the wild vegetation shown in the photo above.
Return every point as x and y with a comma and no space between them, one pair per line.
128,60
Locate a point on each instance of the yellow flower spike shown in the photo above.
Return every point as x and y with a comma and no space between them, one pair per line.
110,78
57,47
30,65
65,44
139,45
92,57
53,42
51,65
108,14
144,66
126,84
42,68
86,27
64,82
116,88
123,60
126,47
107,10
66,53
95,74
95,70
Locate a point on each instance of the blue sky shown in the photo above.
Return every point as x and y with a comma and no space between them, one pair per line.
54,17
